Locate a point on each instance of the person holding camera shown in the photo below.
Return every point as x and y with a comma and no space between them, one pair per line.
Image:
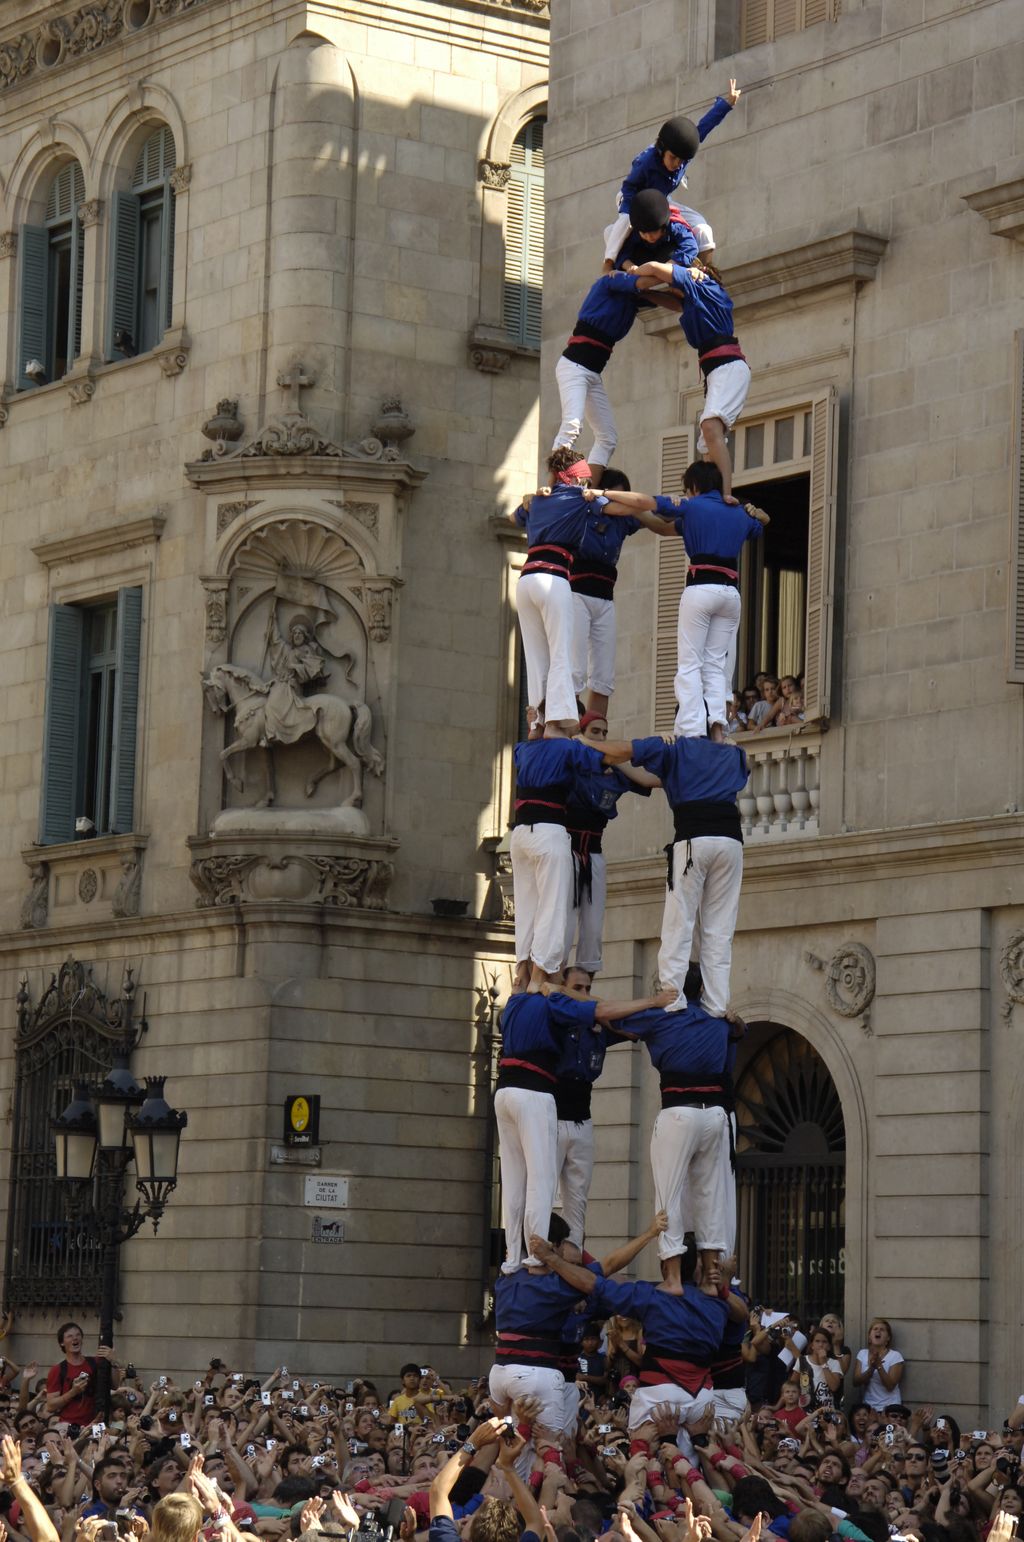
485,1523
71,1384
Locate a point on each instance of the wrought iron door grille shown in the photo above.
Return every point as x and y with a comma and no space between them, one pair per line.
791,1178
53,1262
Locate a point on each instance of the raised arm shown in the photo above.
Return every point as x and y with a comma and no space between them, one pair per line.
624,1256
36,1522
573,1274
613,1011
521,1496
440,1489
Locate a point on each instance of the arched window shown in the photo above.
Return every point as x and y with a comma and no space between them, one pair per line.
524,236
50,271
142,252
791,1175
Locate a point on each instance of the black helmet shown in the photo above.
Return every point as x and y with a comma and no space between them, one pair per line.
649,210
680,136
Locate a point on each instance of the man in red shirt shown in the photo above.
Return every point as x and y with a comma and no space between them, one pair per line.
71,1384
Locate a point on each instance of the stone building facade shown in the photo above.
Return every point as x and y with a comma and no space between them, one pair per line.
868,209
267,378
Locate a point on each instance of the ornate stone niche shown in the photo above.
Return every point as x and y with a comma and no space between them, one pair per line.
301,608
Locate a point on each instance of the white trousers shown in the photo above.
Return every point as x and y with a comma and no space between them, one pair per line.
711,886
542,884
692,1176
709,620
507,1382
528,1152
730,1403
593,644
584,398
614,235
726,397
575,1163
570,1409
546,621
585,922
645,1399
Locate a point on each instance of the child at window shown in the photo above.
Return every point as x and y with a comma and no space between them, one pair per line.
792,710
764,712
663,166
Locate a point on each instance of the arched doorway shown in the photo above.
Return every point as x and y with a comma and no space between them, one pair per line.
791,1174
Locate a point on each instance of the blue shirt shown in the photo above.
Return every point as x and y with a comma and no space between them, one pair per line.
533,1021
532,1304
649,170
691,1042
561,517
584,1046
707,308
551,762
690,1325
694,770
597,791
709,525
678,246
611,305
606,534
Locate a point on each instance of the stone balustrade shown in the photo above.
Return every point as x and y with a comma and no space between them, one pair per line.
780,801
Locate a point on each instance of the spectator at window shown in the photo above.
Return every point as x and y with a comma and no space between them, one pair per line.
764,712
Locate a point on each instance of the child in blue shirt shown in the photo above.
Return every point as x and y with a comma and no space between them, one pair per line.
663,166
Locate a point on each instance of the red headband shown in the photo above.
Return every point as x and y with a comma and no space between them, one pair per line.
591,717
579,468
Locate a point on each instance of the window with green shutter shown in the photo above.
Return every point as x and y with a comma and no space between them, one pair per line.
92,701
524,236
142,251
51,267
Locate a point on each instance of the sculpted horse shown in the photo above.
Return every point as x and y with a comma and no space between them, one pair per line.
260,724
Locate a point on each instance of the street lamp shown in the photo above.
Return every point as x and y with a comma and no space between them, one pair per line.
96,1138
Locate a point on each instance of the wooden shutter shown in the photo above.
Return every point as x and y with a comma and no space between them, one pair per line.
125,239
821,536
62,724
785,18
167,257
814,11
671,564
126,711
524,236
33,259
1015,649
754,23
77,290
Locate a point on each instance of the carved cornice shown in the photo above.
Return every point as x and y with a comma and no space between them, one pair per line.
491,352
289,447
780,281
95,542
80,31
495,174
345,872
181,179
90,213
1002,206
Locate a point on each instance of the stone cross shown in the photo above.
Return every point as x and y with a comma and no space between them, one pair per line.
294,380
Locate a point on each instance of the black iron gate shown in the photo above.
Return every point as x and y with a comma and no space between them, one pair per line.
791,1177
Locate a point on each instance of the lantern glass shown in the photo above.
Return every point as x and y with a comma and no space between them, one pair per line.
156,1155
113,1130
76,1153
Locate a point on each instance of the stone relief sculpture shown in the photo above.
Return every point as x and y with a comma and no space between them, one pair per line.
271,712
297,633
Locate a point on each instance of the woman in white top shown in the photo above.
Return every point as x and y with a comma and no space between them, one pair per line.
818,1371
879,1367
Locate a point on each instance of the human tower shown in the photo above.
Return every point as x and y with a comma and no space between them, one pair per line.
569,779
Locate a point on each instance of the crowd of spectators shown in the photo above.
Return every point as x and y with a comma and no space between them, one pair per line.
818,1444
772,701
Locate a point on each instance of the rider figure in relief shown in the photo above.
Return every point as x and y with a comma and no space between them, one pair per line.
295,663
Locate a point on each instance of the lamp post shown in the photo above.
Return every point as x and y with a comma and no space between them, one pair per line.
102,1130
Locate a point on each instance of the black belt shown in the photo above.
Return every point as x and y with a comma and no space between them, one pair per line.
597,579
710,568
546,557
543,805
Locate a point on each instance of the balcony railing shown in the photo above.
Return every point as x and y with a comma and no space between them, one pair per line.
780,801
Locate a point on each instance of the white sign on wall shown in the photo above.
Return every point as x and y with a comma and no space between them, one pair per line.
325,1193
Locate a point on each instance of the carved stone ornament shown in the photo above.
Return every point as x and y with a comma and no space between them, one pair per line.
368,514
8,243
81,31
308,878
82,391
227,513
4,415
495,174
128,893
35,905
90,213
181,179
379,601
1011,967
216,591
506,887
849,980
88,885
225,423
490,361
